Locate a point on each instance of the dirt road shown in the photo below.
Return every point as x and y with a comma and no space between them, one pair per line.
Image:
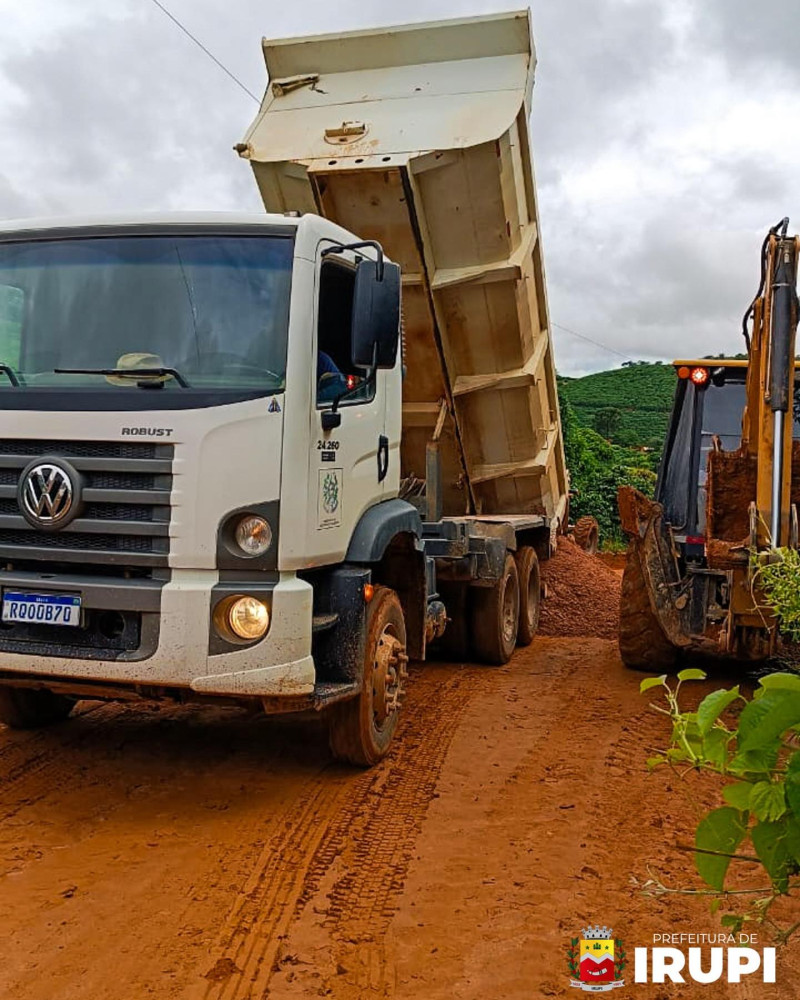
196,853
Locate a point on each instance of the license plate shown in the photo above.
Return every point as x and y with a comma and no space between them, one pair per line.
41,609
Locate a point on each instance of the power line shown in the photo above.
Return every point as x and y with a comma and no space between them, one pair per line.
210,55
238,82
589,340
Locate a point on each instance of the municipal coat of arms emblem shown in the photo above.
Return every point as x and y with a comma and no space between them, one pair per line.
596,961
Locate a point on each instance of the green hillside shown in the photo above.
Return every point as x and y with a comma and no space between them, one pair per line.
614,425
639,393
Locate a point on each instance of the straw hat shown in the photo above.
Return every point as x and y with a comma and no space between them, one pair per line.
137,359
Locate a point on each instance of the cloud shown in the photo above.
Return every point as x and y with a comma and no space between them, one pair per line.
591,56
663,138
110,119
661,221
752,36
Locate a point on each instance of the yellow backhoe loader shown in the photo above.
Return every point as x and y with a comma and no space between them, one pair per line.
727,493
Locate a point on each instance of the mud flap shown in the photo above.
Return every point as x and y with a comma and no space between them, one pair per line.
338,650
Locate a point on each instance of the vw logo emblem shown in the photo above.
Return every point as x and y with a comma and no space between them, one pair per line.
48,494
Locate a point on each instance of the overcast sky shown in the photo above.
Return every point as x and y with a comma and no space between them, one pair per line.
666,137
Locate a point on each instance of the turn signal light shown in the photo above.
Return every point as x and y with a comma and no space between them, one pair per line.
253,535
684,372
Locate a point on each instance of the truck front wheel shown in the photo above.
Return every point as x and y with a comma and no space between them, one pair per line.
495,617
361,730
25,708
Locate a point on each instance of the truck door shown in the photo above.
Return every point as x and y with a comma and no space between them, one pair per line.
348,463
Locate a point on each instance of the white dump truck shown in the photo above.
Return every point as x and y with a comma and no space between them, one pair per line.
232,467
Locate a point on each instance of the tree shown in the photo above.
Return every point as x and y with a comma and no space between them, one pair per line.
606,421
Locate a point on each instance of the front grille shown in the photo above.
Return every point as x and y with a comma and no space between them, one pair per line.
79,449
97,511
125,518
76,540
120,480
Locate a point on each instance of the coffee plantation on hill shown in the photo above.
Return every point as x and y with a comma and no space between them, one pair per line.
628,406
614,424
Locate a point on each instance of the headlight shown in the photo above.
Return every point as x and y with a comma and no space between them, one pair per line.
253,535
247,617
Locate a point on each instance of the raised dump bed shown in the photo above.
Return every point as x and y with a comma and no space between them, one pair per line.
417,136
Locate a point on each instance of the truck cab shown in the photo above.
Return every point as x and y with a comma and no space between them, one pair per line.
161,406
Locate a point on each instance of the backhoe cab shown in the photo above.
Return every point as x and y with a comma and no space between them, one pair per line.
727,492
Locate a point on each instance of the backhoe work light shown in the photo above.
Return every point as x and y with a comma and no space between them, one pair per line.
699,376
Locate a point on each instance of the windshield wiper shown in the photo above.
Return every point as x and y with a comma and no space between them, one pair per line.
130,373
12,376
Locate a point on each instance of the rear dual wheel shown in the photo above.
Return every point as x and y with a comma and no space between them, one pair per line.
495,617
530,590
506,614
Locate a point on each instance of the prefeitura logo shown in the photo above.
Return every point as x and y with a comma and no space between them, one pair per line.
596,961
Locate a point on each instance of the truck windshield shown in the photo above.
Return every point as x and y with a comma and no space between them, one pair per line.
213,307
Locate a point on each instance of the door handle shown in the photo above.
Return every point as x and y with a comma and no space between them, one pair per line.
383,457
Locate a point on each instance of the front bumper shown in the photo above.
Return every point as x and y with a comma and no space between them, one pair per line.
280,665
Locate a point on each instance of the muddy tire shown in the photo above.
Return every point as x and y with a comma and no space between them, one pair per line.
587,534
24,708
530,594
361,730
495,617
642,643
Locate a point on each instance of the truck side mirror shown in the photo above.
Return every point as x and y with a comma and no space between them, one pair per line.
376,314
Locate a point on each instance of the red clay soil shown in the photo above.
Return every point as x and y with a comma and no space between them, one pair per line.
582,595
196,853
614,560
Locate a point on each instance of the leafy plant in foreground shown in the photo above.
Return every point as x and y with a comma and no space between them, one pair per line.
777,576
757,754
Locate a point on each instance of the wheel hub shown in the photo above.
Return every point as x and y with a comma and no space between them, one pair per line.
509,614
389,672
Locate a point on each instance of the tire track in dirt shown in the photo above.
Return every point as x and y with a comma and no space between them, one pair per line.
247,944
345,847
186,796
40,758
366,853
